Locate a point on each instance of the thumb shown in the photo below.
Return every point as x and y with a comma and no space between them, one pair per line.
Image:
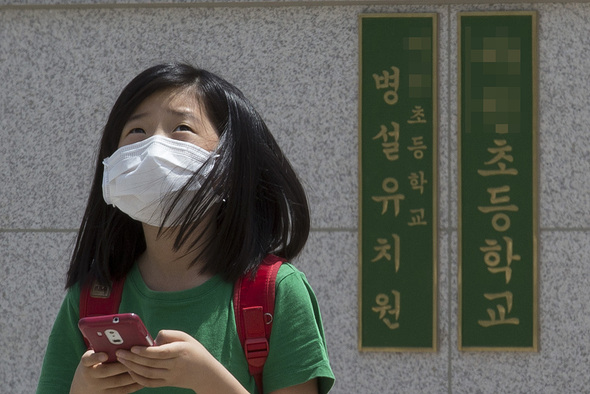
169,336
90,358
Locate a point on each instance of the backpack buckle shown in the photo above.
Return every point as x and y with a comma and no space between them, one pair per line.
256,350
99,291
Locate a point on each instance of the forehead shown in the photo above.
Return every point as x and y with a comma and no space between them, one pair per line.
176,98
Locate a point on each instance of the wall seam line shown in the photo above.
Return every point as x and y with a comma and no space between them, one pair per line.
264,4
449,207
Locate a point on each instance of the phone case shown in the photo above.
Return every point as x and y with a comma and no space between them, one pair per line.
111,332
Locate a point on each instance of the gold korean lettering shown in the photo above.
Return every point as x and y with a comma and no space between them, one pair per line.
417,147
417,115
417,181
389,81
493,259
417,218
384,309
390,185
390,140
502,311
500,220
500,155
383,250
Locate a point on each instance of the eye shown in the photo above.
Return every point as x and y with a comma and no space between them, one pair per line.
183,127
137,130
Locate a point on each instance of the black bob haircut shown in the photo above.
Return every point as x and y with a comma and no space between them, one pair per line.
252,193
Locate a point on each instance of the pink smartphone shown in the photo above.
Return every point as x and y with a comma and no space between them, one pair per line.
109,333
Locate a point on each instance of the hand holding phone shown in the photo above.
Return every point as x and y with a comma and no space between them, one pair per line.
109,333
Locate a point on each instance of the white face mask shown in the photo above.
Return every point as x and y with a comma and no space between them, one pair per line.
143,178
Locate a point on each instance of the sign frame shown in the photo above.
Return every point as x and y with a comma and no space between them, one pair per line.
534,324
433,345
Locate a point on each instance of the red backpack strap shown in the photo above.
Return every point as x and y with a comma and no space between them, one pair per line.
97,299
254,304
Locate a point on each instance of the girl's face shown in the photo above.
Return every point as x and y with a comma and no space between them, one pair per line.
171,113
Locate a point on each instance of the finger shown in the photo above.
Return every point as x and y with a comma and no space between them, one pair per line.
164,352
169,336
147,357
143,381
110,370
90,358
123,380
143,374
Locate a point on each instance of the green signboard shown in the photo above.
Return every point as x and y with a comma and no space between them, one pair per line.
397,182
498,181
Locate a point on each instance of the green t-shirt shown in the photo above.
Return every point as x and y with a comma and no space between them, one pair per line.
297,343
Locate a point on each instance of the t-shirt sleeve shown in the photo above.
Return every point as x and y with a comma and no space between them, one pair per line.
64,349
298,351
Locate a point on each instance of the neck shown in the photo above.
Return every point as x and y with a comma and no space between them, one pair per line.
166,269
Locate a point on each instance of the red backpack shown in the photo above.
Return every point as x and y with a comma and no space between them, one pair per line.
254,301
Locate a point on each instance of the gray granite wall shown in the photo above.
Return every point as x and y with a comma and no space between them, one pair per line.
63,62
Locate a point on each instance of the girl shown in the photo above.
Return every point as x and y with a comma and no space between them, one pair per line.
190,193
